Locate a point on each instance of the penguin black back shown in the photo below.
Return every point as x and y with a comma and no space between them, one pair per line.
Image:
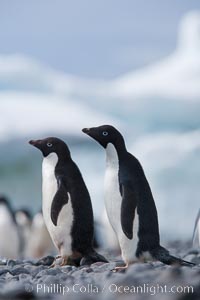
131,176
82,228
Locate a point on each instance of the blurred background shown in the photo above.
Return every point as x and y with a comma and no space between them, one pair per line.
65,65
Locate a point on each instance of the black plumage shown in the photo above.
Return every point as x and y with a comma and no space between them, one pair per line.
70,184
136,197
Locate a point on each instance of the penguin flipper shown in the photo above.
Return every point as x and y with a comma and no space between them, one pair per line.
60,199
161,254
128,206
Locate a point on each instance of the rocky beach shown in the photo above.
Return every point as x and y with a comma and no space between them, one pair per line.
33,279
69,65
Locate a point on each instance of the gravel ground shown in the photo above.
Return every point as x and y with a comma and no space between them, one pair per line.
31,279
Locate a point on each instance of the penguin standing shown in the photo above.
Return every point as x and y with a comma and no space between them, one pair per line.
196,234
39,243
129,202
24,221
66,204
9,232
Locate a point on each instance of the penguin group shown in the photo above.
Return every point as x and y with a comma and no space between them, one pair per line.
67,221
22,236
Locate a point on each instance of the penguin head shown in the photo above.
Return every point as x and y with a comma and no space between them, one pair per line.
105,134
51,145
5,204
23,217
4,201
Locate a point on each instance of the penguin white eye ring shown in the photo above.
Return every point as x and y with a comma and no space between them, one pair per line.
105,133
49,145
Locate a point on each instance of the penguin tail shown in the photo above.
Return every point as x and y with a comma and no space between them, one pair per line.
92,258
161,254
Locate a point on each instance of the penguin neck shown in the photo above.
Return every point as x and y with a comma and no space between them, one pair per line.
49,163
114,154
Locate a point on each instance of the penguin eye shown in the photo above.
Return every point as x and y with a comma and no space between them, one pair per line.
49,145
105,133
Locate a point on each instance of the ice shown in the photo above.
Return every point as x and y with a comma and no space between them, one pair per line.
176,76
172,165
25,114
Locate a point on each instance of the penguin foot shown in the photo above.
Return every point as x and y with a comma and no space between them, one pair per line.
165,257
52,265
92,258
64,261
118,269
54,262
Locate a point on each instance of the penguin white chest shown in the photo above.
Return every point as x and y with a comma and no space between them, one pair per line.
60,234
113,197
113,201
49,182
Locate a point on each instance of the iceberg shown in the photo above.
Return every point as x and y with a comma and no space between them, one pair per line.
172,165
22,73
26,114
164,95
174,77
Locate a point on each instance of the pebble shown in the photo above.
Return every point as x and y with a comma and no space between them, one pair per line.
45,261
21,278
19,270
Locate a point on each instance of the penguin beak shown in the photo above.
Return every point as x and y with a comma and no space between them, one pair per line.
36,143
86,130
92,132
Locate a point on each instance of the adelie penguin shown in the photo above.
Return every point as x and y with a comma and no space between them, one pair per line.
129,201
196,234
24,221
9,231
66,204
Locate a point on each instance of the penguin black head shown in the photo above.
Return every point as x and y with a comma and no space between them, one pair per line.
4,201
105,134
51,145
25,212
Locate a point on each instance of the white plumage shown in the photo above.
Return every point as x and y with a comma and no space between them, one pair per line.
39,242
113,202
9,243
60,234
